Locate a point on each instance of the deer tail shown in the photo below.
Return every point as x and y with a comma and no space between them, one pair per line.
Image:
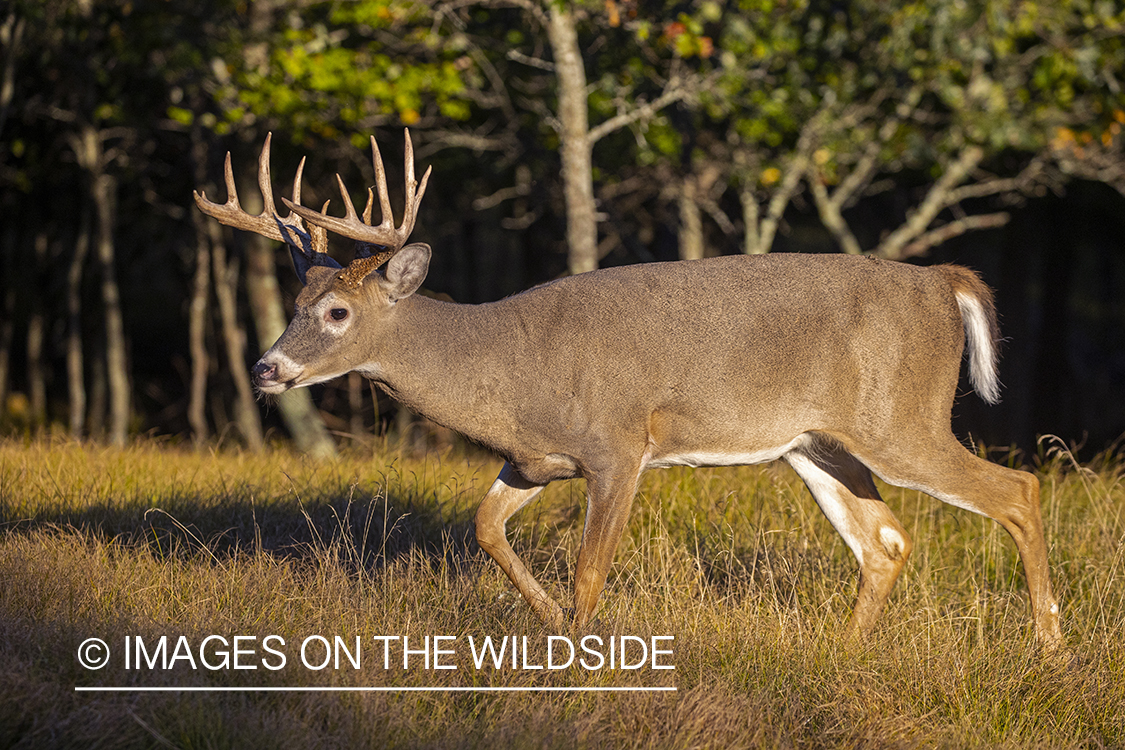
982,332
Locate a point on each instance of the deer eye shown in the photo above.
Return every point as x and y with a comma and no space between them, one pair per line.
338,313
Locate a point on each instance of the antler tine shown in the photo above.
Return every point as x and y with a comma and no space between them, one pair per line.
414,191
413,205
366,249
386,215
408,158
349,208
297,183
317,237
232,214
264,183
367,208
228,178
319,234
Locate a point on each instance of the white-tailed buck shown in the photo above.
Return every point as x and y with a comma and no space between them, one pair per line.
842,366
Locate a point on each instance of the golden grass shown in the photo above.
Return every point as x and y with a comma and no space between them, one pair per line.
737,564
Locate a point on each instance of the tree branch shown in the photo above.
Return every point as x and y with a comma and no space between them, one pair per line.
534,62
716,212
860,177
982,189
539,107
674,92
473,141
831,206
956,228
790,181
936,200
830,214
501,195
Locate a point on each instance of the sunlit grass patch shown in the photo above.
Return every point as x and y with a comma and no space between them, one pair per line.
738,564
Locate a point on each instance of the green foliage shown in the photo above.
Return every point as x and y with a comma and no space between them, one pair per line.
331,68
983,73
999,70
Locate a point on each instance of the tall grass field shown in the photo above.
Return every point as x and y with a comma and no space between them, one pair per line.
257,592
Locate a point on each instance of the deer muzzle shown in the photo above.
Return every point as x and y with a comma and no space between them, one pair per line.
267,377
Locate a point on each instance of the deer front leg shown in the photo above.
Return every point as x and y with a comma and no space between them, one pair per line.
607,510
508,494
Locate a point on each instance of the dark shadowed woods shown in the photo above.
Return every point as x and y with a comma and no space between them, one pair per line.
563,137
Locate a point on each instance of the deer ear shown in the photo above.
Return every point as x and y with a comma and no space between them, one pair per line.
406,270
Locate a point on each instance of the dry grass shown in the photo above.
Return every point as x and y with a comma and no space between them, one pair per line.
737,564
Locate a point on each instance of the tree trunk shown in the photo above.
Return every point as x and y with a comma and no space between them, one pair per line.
197,308
8,254
234,337
691,220
36,334
117,369
751,215
211,256
7,333
103,189
36,387
197,330
75,374
95,416
11,36
576,148
296,406
355,405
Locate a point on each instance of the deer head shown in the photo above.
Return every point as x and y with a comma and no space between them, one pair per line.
337,302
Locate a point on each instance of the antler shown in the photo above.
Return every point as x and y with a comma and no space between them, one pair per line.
309,247
383,235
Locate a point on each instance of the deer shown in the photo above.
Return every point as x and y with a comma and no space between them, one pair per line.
845,367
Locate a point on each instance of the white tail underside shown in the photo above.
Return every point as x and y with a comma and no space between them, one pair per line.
982,350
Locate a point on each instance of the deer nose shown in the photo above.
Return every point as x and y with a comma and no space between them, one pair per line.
263,373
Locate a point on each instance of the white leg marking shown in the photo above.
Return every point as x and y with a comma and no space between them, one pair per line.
893,543
717,458
831,496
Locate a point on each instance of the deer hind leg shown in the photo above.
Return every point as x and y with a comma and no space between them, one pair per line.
508,494
845,492
607,510
954,475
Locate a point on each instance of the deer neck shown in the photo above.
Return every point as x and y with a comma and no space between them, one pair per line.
438,359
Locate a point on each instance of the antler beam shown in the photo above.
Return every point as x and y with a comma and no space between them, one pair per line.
385,234
309,247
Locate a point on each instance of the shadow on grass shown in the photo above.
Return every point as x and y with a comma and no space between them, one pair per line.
367,527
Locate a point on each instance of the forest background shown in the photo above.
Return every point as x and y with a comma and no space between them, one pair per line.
564,136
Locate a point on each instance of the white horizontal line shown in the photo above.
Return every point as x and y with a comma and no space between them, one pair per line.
362,689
